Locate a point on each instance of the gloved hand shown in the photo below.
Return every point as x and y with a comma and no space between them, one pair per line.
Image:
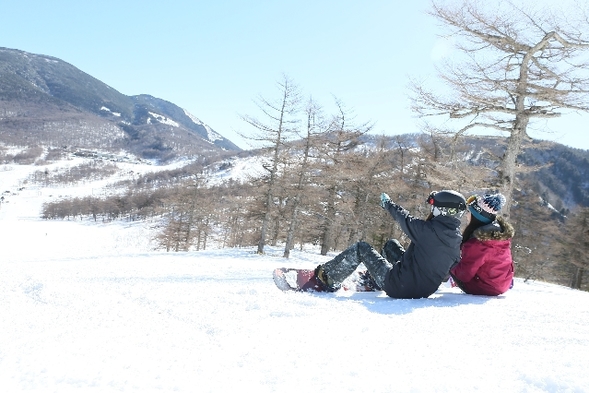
384,199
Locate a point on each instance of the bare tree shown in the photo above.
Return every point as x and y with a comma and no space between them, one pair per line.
340,142
315,127
372,172
273,132
576,245
513,66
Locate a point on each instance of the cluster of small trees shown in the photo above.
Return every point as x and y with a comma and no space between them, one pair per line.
25,157
93,170
131,206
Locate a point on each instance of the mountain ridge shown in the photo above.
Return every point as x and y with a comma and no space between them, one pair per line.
42,97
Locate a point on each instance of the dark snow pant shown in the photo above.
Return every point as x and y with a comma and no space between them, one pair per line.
344,264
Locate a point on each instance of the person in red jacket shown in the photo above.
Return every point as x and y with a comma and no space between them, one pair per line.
486,265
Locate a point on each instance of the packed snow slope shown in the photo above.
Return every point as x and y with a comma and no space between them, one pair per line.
90,307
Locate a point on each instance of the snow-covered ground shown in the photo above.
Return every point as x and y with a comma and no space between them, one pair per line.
89,307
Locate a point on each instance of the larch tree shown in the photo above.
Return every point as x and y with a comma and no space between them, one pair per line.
576,245
277,128
337,170
513,65
371,174
315,127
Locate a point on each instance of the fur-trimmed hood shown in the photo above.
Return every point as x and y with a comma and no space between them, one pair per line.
499,229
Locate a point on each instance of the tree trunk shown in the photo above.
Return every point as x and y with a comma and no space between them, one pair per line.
329,220
265,221
508,165
577,278
507,168
291,230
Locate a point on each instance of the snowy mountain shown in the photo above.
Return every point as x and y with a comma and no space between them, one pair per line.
91,307
46,101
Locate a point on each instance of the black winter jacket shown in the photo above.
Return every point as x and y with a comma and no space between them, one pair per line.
434,249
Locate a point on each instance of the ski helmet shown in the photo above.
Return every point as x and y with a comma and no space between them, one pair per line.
447,203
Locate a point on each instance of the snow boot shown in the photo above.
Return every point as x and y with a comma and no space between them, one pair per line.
328,284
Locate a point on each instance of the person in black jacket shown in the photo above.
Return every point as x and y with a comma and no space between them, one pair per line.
417,272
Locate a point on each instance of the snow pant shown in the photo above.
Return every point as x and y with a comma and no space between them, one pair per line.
344,264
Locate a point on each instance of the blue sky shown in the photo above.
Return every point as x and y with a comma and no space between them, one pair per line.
213,58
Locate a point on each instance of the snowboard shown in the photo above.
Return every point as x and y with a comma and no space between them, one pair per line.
304,280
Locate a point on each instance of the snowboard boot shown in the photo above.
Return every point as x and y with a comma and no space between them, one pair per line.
328,284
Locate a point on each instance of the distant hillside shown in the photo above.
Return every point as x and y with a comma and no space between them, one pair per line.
46,101
557,173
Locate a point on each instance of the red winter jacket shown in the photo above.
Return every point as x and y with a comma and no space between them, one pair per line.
486,266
